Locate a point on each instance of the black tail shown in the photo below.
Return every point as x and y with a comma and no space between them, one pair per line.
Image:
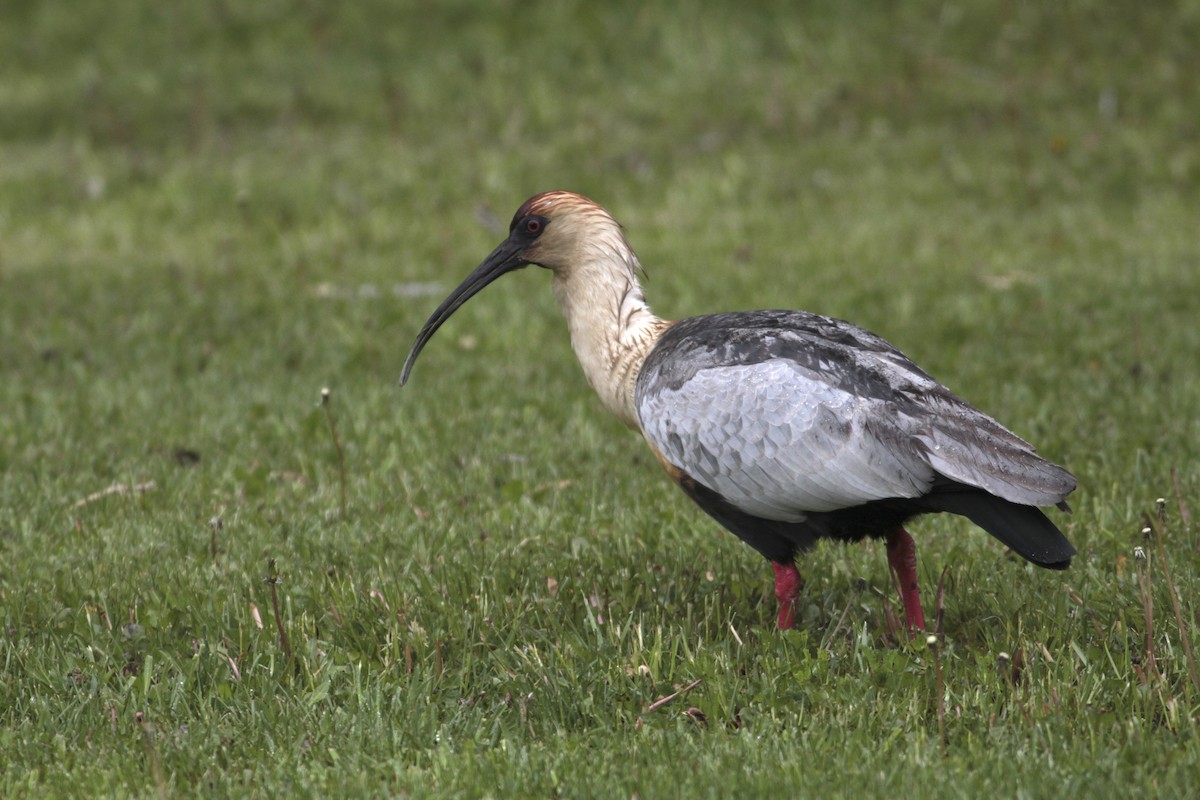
1023,528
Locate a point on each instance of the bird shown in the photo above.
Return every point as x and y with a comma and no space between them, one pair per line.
786,427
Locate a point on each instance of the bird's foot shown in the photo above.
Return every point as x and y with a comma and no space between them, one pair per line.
902,556
788,584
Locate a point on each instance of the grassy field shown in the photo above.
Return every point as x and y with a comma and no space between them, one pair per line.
210,211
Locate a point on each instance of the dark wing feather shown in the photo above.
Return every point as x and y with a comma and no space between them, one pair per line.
1025,529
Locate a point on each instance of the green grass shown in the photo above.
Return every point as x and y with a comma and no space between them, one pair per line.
210,211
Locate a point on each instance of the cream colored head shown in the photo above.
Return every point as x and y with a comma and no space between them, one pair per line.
561,231
595,282
571,231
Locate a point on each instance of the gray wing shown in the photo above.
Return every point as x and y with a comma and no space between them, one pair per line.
784,413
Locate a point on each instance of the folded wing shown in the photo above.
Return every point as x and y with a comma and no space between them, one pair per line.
785,413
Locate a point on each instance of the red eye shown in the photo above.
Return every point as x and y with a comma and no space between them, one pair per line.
533,226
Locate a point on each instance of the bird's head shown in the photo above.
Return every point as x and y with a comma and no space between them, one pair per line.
554,230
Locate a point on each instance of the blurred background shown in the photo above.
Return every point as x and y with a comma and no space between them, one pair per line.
215,202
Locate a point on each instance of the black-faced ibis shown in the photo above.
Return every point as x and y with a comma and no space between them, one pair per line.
784,426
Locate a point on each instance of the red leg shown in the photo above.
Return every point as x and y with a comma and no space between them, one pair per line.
787,588
902,556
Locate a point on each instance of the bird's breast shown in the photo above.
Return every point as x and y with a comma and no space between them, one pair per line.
612,331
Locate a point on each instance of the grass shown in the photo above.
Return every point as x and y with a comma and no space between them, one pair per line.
208,212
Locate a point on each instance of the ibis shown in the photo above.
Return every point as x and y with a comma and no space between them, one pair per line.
786,427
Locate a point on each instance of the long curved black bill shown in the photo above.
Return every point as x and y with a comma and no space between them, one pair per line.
504,259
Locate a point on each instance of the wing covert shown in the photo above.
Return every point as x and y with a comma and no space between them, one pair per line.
778,443
788,412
